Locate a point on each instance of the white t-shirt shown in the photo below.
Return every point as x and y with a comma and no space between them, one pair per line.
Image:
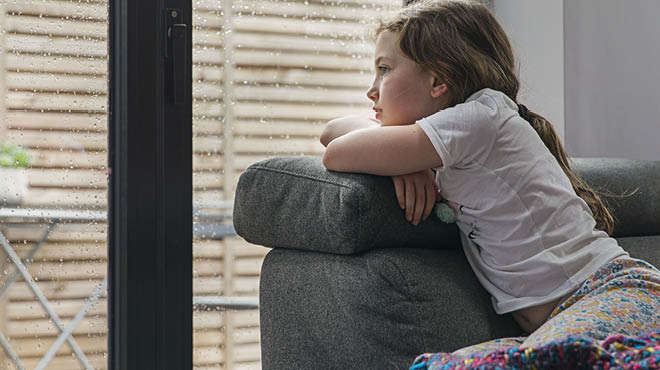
528,237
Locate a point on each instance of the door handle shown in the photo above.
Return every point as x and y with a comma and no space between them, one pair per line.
177,52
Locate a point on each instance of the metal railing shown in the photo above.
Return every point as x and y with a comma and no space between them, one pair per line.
206,225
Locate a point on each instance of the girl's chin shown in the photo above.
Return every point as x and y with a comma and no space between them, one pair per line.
386,123
397,121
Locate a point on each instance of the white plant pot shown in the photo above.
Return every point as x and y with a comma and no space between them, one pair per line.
13,186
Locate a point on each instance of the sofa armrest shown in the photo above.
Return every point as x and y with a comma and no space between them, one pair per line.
296,203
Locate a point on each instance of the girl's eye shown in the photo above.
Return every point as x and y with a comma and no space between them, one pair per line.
383,69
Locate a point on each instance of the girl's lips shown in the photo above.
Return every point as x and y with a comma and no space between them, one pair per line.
378,112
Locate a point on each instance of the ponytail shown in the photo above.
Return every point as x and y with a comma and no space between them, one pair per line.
546,131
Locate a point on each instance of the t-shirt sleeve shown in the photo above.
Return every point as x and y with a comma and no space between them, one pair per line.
463,135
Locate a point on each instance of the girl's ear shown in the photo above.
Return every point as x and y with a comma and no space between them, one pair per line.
438,87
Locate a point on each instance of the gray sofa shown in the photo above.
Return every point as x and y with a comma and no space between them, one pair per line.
350,284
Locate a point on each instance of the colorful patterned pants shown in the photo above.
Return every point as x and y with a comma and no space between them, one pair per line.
622,297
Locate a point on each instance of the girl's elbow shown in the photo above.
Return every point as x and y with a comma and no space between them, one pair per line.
325,138
327,135
330,160
327,159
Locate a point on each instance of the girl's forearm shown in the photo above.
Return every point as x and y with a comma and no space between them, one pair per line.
343,125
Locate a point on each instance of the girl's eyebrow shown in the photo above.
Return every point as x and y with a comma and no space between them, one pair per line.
379,59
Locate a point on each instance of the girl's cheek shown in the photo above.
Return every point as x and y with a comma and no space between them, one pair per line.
388,83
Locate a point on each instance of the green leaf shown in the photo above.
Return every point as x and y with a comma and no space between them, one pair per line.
6,160
12,155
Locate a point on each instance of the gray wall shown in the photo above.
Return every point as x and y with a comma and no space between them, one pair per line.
535,29
592,67
612,75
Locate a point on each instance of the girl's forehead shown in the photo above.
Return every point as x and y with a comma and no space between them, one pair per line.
385,38
386,46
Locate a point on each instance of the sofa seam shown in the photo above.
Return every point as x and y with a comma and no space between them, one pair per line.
302,176
415,308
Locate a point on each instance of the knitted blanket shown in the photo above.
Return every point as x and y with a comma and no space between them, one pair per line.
615,352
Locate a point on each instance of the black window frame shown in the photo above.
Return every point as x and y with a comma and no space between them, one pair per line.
149,191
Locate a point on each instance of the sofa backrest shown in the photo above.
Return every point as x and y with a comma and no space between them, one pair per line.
629,188
294,202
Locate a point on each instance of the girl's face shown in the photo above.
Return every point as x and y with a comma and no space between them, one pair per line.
402,92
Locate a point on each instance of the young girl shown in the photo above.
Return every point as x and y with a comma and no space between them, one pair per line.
536,236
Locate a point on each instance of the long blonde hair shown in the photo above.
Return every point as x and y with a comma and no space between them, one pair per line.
462,42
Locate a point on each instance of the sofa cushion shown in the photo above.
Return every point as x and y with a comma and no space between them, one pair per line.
294,202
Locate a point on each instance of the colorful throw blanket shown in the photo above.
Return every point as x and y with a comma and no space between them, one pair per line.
615,352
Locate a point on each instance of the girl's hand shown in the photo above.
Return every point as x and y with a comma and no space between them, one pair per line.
416,193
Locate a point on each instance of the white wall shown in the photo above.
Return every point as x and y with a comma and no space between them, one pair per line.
613,78
536,32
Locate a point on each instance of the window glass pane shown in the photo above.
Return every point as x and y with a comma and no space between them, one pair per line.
267,75
53,105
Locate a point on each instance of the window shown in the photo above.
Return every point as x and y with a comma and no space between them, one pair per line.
267,75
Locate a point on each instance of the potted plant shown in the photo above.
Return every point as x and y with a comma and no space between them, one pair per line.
13,178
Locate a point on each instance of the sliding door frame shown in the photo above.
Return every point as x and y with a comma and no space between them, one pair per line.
150,186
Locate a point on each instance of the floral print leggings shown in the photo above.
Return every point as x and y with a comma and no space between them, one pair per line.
622,297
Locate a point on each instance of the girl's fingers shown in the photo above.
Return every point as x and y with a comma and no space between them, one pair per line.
400,191
432,181
410,199
420,203
430,200
416,194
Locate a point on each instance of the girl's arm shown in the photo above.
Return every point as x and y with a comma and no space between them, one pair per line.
343,125
385,151
403,152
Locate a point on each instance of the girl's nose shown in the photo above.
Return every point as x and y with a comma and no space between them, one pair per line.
372,93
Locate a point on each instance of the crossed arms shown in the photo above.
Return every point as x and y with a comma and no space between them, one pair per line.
360,144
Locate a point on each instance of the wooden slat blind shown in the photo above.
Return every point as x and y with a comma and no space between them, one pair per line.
267,75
